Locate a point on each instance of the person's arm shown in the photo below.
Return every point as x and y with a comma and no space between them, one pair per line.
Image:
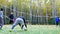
2,14
6,17
59,19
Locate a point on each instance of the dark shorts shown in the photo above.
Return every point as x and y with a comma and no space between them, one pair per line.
1,22
11,21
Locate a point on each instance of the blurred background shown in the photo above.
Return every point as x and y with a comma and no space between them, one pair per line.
35,11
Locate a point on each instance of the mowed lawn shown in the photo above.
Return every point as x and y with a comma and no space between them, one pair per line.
32,29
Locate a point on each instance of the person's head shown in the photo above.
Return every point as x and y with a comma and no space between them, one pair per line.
1,9
11,13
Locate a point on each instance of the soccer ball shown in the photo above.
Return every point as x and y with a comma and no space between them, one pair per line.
10,30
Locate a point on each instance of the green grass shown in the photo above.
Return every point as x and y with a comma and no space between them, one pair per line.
32,29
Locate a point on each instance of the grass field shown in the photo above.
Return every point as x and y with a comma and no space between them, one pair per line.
32,29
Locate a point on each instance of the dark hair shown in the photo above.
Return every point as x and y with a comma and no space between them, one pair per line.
1,9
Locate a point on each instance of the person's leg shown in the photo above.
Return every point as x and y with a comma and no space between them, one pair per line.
10,21
25,25
15,23
22,23
19,24
22,26
0,26
1,23
56,23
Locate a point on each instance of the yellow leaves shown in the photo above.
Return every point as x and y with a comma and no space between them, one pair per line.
33,4
2,2
5,3
58,10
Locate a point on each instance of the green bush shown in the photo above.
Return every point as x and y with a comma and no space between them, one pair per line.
51,21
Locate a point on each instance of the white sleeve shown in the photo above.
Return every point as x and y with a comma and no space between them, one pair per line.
59,18
2,14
